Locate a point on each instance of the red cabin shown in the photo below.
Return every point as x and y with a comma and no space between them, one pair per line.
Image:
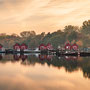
49,46
23,46
1,47
68,46
75,46
16,46
42,47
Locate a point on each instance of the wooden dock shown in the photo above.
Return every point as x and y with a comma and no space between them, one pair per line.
65,53
56,52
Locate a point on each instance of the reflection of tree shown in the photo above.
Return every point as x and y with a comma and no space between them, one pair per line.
86,72
0,57
85,66
71,64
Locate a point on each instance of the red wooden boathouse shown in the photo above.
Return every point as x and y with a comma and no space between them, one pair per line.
23,46
49,46
42,47
74,46
68,46
16,46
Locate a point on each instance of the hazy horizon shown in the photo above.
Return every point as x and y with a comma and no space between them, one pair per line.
41,15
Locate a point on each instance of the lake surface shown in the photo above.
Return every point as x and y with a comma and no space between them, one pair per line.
44,72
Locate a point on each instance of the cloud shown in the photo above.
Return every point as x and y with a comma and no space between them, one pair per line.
42,15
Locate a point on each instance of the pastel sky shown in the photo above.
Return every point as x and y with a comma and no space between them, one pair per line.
41,15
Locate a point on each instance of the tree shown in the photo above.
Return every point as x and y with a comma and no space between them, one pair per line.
70,28
26,34
86,27
71,32
73,36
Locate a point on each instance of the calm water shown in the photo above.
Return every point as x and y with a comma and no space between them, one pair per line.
42,72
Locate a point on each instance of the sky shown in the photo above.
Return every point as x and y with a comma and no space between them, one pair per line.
41,15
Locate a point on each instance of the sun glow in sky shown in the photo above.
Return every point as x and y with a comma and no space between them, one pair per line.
41,15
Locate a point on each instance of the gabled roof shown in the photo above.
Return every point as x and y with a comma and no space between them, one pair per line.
17,44
23,44
74,44
67,44
42,44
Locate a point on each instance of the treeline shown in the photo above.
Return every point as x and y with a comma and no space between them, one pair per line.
79,35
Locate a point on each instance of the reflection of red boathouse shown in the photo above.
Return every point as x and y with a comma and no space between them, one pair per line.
1,57
49,57
71,57
42,57
45,57
16,57
23,57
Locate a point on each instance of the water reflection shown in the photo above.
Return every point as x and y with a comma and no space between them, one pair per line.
44,72
70,63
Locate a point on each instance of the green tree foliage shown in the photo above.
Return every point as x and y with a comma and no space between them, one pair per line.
86,27
26,34
9,40
35,41
73,36
71,32
70,28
